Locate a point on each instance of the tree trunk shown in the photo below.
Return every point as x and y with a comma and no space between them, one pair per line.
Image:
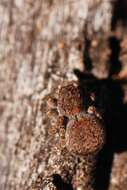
43,43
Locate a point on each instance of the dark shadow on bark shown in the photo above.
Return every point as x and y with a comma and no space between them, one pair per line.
115,64
86,55
116,141
119,13
60,185
110,99
110,96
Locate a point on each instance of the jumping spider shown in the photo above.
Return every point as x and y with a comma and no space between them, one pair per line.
81,132
79,126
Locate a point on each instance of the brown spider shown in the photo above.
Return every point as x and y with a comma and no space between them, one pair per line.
68,105
80,127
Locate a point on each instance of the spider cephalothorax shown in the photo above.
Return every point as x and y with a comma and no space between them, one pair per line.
70,100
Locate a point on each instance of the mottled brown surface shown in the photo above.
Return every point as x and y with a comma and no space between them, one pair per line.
85,135
41,43
70,101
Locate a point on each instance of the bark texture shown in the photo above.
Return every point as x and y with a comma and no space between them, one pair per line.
42,42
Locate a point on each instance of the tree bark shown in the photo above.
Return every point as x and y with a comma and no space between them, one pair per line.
42,43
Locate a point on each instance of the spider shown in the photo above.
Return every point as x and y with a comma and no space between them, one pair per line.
79,124
78,112
68,108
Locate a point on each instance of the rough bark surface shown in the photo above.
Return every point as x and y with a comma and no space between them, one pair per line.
41,43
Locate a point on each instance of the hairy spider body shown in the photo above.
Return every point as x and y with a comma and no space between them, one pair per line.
85,135
70,100
80,128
